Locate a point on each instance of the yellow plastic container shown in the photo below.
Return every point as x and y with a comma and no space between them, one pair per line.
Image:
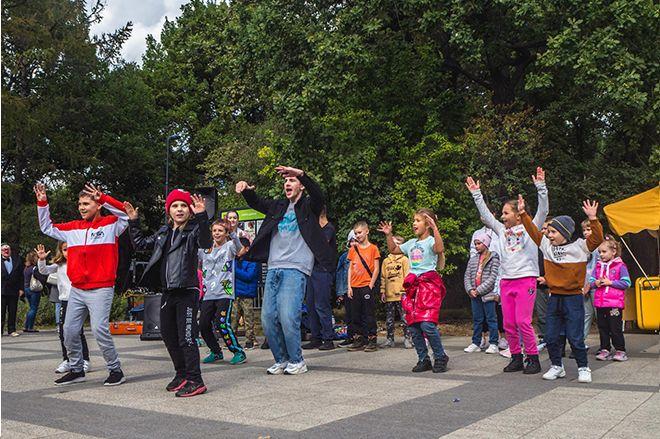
647,293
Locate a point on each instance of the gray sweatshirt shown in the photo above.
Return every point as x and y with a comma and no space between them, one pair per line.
217,265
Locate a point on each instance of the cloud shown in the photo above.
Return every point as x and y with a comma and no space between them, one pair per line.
148,17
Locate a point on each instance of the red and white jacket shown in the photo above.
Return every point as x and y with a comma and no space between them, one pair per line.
92,245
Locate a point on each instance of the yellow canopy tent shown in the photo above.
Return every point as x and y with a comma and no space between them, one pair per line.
634,214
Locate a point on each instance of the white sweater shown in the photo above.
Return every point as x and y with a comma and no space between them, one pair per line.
519,254
63,282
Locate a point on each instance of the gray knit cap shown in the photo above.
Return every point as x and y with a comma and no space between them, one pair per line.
565,225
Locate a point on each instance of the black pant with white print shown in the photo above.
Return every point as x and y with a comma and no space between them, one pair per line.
610,328
178,327
363,312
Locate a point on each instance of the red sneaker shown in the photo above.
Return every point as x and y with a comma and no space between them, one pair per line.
191,388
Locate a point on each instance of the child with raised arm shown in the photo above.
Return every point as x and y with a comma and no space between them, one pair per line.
92,244
172,269
424,287
565,263
609,280
219,292
520,268
59,267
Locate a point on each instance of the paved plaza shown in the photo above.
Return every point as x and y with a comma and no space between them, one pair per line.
344,395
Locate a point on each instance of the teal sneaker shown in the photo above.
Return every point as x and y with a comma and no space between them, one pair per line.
200,342
212,358
239,358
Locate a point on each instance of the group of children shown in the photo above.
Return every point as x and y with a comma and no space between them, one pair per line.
503,268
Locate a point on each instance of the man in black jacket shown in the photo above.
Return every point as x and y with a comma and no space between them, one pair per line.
290,240
12,282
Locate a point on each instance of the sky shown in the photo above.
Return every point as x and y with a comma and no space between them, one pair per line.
148,17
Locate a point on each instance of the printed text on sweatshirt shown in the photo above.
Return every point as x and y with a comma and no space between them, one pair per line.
519,255
93,245
565,265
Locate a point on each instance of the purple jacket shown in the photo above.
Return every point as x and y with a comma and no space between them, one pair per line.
611,296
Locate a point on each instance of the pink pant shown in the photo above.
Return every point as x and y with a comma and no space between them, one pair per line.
518,297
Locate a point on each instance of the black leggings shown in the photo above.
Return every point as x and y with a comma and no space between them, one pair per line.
83,340
610,328
178,327
218,313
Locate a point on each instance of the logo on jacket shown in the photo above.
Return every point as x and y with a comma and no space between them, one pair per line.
99,234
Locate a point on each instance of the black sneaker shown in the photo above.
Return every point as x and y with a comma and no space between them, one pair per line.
440,364
313,344
346,343
191,388
176,384
357,345
423,365
371,345
532,365
71,378
115,378
249,344
327,345
516,364
264,345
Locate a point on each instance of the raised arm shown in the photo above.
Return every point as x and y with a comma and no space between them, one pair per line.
115,207
141,241
252,199
590,208
530,227
543,203
204,237
386,228
438,245
487,216
42,267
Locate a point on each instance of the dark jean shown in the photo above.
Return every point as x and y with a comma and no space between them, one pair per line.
417,330
484,312
33,299
565,312
318,305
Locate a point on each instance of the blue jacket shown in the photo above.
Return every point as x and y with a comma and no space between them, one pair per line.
247,276
341,277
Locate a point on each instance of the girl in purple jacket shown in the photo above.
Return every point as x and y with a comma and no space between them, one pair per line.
610,278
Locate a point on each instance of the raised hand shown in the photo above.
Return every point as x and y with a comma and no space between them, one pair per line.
286,171
199,204
385,227
521,204
93,191
40,192
131,211
431,222
590,209
242,185
42,254
472,185
540,175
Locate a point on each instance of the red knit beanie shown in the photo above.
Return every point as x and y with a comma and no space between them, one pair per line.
178,195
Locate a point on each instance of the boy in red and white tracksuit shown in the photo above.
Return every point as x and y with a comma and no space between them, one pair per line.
91,266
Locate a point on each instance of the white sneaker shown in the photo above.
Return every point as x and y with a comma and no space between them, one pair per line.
506,353
86,366
584,375
295,368
554,372
407,343
484,344
472,348
541,346
277,368
63,367
492,349
503,344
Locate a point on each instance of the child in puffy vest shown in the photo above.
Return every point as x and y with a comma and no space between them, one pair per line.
610,279
424,288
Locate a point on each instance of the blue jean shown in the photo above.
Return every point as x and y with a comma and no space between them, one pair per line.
417,330
484,311
318,305
281,312
33,299
565,312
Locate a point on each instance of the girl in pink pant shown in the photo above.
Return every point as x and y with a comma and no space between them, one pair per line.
520,268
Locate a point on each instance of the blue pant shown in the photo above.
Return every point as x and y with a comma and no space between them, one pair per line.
484,312
33,299
318,305
417,330
565,312
281,311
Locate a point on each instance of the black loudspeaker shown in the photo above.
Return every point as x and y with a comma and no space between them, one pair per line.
151,322
211,197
